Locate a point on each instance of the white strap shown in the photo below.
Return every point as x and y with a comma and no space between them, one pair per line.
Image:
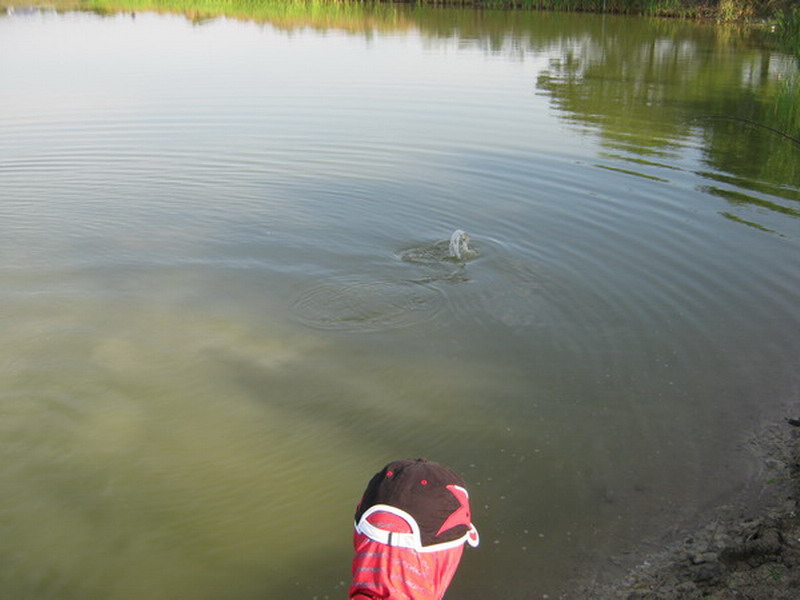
411,540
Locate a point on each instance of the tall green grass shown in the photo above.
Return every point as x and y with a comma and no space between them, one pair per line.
788,28
682,8
785,12
723,10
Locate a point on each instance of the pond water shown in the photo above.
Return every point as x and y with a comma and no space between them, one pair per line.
226,300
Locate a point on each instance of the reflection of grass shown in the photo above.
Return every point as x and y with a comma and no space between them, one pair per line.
635,173
736,219
738,198
787,108
788,28
640,161
756,186
642,150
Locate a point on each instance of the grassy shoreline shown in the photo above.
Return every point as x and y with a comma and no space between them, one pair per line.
775,11
720,10
782,17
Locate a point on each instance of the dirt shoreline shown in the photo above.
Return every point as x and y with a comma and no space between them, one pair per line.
748,549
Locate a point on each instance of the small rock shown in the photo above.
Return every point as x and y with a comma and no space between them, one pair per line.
705,557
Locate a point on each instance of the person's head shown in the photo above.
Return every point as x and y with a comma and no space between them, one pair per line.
410,529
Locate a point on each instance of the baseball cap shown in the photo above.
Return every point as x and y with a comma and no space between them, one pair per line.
417,504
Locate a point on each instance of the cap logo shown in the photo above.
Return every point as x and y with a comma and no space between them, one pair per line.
461,515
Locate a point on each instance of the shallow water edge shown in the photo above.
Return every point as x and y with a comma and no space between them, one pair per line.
750,545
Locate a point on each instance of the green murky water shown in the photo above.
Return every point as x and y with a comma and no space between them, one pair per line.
223,302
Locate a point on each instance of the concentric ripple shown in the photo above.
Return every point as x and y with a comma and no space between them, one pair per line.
368,306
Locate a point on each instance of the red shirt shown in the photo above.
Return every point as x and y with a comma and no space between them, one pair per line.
381,571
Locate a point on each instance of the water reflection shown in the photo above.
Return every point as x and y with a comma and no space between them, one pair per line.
647,91
655,93
226,301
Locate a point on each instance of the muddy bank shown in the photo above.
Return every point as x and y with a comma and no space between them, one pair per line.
748,549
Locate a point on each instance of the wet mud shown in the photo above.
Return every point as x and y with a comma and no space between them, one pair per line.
748,549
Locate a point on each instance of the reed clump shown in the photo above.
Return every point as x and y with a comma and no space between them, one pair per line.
787,25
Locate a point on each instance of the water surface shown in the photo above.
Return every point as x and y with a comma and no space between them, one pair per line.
223,308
